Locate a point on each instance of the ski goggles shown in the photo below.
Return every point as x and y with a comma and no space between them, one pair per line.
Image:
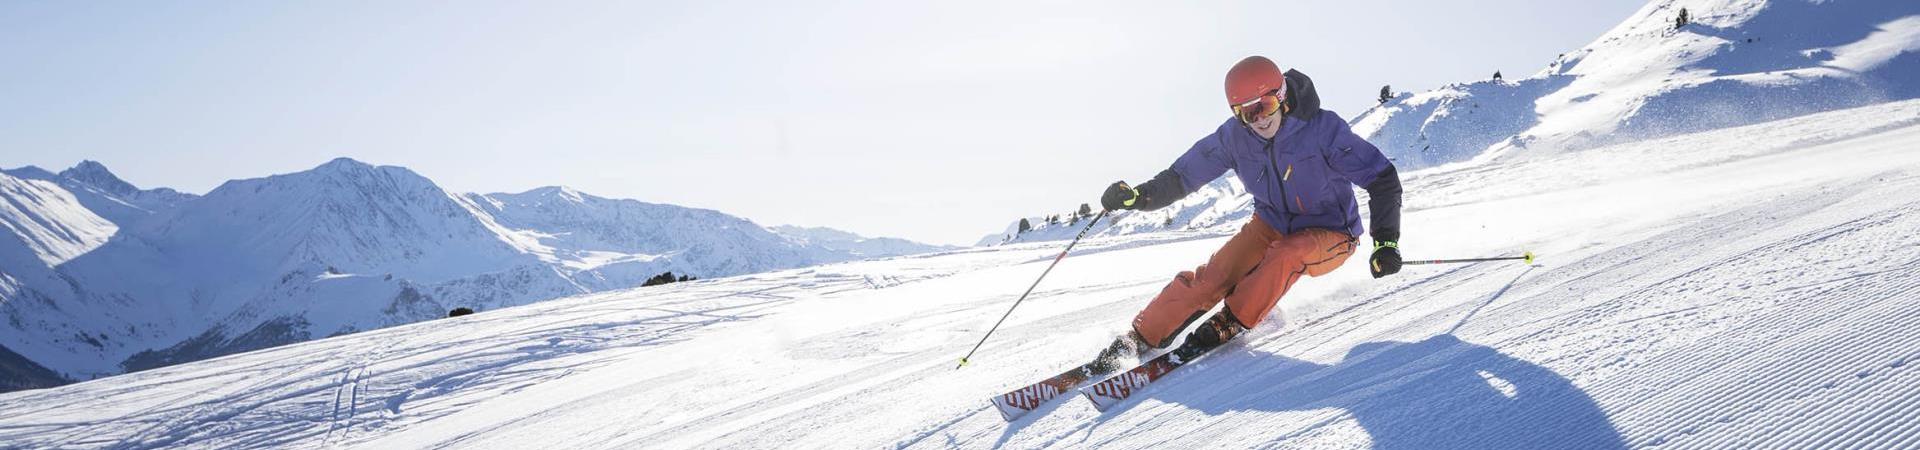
1259,108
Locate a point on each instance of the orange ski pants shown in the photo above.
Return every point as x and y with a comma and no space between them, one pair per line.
1251,272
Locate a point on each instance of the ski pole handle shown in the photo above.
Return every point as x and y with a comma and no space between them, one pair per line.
1528,257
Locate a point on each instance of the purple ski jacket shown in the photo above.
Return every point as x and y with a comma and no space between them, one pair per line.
1303,178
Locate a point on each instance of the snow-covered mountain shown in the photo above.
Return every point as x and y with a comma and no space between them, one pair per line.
616,239
46,224
105,194
48,227
828,239
1735,62
101,277
1758,293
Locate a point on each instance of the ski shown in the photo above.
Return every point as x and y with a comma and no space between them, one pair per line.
1115,389
1013,405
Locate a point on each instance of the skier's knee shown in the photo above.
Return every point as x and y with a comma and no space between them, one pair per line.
1188,278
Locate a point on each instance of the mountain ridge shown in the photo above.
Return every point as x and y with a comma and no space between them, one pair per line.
109,278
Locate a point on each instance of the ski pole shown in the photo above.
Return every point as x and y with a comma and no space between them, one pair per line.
1036,283
1528,257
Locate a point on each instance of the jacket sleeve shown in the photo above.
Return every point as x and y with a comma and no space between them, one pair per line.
1361,162
1202,163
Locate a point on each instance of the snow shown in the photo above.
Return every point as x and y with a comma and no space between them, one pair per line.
1756,290
1879,48
48,221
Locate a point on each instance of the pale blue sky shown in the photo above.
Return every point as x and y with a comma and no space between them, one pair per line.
935,121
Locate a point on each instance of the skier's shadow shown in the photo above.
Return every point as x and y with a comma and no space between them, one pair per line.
1434,394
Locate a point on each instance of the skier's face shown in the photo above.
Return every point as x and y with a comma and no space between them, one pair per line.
1266,127
1262,114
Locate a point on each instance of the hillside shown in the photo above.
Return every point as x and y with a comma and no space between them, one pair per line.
1735,62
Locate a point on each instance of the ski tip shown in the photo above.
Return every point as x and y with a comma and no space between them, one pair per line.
1098,404
1008,412
1529,258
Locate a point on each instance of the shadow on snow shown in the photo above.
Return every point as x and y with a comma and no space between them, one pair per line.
1438,393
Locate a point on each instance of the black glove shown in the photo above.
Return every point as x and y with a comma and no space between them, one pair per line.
1119,196
1386,258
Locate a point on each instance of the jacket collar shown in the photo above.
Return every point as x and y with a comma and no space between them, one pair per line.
1289,126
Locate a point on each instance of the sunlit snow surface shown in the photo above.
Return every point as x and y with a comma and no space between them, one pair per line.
1749,287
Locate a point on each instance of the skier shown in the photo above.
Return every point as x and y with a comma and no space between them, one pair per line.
1300,163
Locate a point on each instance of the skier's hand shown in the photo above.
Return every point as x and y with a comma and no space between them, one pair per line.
1119,196
1386,259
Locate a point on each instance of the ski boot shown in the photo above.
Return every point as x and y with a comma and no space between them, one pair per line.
1125,352
1215,331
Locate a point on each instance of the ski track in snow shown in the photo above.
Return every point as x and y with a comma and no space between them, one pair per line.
1760,296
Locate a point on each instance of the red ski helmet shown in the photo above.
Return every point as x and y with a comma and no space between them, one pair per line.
1252,78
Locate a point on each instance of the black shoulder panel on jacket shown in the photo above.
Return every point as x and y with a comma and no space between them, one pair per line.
1301,97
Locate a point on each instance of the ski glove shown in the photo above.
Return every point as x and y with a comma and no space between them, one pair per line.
1386,258
1119,196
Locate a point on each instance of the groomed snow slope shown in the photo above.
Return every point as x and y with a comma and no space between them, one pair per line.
1737,288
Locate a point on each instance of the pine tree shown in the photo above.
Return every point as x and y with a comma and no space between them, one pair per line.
461,311
1024,226
1682,20
1496,75
1085,210
1386,93
662,278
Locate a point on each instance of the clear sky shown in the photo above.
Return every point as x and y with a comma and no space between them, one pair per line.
935,121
